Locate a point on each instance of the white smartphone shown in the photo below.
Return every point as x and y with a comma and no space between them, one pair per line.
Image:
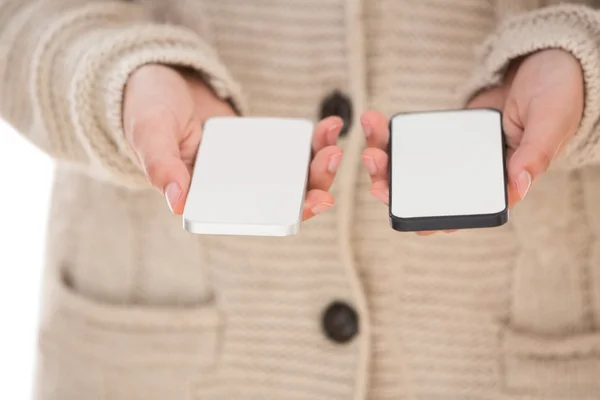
250,177
447,170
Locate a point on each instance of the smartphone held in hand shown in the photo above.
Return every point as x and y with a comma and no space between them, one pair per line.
250,177
447,170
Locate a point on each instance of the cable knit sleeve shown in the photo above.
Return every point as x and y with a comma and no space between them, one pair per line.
63,68
574,28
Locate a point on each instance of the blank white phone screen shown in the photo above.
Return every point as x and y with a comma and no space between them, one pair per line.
447,163
250,177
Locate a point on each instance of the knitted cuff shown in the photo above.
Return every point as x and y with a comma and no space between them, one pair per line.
98,85
573,28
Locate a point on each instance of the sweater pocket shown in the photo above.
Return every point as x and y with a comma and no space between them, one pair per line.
550,345
94,350
553,368
550,342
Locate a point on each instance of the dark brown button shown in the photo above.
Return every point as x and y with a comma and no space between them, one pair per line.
339,105
340,322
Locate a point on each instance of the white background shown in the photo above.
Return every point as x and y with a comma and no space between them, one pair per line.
25,180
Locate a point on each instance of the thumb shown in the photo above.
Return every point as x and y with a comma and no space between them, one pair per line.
170,176
155,142
542,138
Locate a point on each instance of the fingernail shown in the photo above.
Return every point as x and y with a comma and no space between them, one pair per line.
370,165
320,208
366,128
523,184
172,193
334,163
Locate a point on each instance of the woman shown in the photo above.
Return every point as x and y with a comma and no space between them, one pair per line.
136,308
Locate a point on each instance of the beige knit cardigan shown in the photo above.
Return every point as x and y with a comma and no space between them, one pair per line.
135,308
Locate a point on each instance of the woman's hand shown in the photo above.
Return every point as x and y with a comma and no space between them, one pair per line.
542,103
164,110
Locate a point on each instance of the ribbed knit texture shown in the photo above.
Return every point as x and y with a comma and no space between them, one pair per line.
135,308
81,54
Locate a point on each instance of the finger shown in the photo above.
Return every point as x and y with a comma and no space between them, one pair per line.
529,160
316,202
323,168
376,163
512,125
513,195
513,134
171,177
154,141
381,191
545,132
512,192
376,129
326,133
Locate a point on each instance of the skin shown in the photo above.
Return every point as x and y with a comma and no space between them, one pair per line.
163,113
542,100
165,108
